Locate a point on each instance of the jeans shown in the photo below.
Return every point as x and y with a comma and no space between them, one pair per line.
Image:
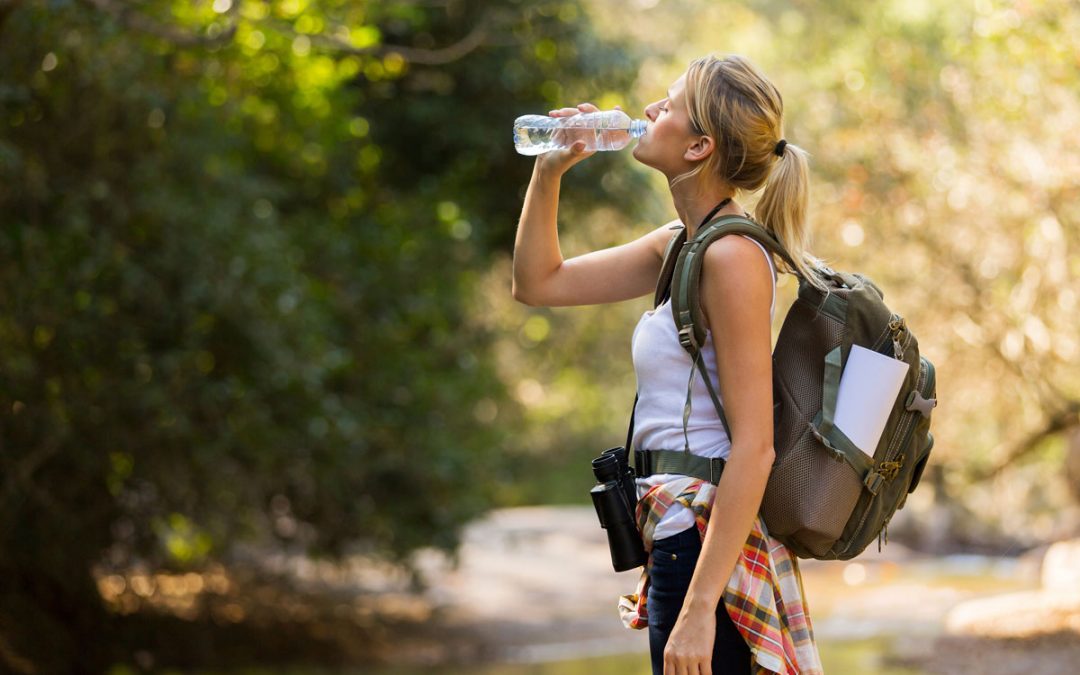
674,559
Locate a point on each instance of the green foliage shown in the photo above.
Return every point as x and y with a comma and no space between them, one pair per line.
238,256
255,280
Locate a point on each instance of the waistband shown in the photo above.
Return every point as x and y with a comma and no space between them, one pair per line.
688,538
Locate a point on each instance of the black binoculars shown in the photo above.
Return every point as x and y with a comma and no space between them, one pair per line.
615,499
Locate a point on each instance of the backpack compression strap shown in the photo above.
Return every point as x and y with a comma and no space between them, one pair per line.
685,298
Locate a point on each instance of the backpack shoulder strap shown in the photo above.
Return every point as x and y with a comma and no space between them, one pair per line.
686,277
685,294
667,269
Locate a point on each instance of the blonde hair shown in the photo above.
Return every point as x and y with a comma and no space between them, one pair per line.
731,101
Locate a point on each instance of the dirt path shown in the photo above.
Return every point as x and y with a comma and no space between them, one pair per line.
536,584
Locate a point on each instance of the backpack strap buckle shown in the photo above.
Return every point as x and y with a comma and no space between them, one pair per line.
873,482
642,465
716,467
687,338
915,401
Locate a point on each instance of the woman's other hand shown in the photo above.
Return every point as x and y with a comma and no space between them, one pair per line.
558,162
689,649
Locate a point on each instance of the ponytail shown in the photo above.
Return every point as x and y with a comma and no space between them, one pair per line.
782,210
730,100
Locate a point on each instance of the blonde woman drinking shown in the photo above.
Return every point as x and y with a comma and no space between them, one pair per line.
718,595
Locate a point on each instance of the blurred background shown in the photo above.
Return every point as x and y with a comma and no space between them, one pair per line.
267,405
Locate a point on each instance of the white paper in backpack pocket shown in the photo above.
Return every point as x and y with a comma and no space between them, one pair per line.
868,390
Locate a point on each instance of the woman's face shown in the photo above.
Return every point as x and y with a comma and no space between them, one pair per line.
666,143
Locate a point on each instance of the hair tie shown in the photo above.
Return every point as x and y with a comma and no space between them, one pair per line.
779,149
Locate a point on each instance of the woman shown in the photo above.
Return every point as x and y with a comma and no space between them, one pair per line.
724,598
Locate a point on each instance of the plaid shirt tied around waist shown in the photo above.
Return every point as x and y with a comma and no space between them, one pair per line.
764,596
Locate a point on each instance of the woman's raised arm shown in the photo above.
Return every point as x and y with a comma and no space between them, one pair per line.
543,278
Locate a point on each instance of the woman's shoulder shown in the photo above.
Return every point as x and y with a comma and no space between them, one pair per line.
733,256
735,276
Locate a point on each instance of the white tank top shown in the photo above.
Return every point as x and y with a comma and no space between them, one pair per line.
662,368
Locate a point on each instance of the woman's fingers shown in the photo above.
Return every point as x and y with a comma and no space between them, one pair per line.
687,667
580,108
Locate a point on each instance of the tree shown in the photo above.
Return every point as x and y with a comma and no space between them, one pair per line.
239,242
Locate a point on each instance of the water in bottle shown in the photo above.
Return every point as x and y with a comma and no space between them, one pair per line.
603,130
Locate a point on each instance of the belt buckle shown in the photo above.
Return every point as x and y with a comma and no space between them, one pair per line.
716,469
642,465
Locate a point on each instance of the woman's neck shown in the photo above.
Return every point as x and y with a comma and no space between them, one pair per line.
692,206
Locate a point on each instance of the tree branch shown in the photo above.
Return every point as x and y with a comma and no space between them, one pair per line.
1026,371
429,57
1050,397
130,17
1061,421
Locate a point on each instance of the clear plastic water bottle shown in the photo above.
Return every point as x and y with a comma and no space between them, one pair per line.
603,130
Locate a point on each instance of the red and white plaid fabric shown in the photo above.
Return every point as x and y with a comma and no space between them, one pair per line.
764,596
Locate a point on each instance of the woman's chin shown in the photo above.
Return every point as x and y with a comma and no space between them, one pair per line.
643,158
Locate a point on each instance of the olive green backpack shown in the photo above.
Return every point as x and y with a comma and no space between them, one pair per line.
825,498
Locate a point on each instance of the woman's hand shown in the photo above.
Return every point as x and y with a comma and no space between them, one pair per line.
689,648
558,162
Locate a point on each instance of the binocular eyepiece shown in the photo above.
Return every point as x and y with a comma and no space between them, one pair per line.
615,500
606,466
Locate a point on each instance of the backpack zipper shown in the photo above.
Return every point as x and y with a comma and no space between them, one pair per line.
899,440
923,387
925,391
896,325
908,426
892,330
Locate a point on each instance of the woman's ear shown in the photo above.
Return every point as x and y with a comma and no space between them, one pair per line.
702,147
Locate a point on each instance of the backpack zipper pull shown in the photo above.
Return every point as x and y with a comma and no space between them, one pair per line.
883,534
897,325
